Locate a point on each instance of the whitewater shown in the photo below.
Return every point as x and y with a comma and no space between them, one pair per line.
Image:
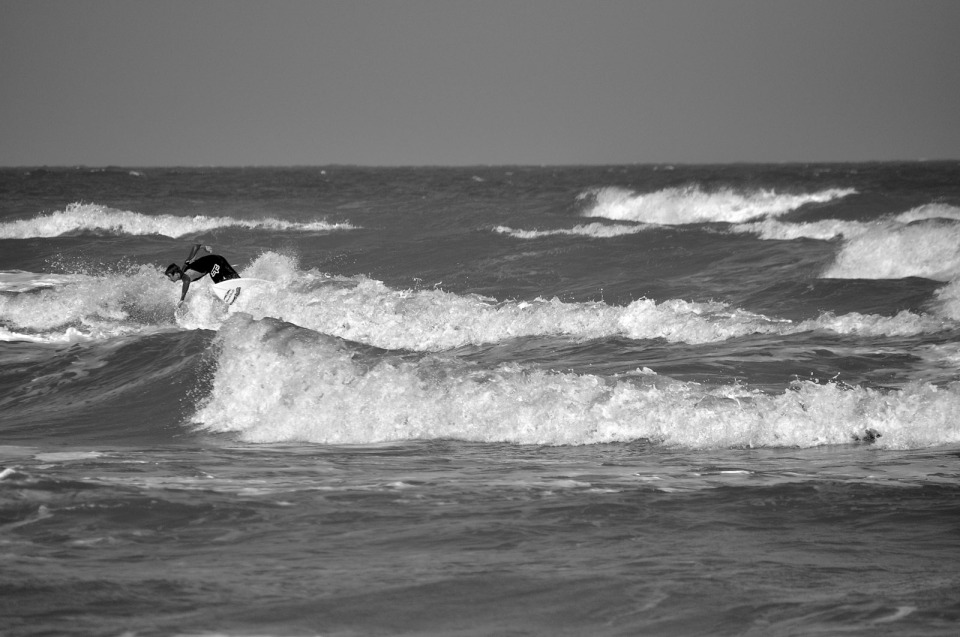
490,400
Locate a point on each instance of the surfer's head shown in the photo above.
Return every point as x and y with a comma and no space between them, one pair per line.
173,272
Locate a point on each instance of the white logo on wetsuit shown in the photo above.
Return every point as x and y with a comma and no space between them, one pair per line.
214,270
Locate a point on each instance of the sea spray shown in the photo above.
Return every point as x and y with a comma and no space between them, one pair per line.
136,295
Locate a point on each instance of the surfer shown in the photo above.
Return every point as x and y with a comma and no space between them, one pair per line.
195,268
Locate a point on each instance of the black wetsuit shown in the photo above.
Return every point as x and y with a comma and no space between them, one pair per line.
214,265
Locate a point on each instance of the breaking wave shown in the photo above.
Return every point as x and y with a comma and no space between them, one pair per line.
315,388
692,204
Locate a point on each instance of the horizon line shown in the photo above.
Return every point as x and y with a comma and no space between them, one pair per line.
113,166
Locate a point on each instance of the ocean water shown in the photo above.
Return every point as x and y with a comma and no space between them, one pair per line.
618,400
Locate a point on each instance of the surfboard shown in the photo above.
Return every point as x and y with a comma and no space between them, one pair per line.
228,291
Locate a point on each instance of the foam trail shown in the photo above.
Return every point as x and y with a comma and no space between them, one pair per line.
23,281
279,383
826,230
80,217
591,230
678,206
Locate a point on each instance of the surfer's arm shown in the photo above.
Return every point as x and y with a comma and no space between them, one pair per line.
186,286
193,253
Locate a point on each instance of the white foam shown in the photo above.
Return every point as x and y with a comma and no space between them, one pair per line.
67,456
22,281
948,300
279,383
69,335
691,204
80,217
904,323
82,306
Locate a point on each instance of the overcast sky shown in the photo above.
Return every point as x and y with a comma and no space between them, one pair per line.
436,82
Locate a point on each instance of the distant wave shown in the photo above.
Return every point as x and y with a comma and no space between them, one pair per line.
80,217
930,211
691,204
312,388
594,230
824,230
827,229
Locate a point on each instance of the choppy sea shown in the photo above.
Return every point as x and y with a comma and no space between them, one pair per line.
617,400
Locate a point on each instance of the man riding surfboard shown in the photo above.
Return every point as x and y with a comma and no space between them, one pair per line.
196,268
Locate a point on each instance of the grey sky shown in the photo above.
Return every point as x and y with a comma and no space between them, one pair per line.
385,82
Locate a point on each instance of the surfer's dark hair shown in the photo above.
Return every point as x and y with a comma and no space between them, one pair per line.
173,268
